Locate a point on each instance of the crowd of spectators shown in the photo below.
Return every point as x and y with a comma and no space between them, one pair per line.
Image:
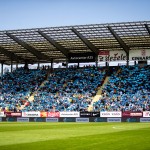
73,89
68,90
128,90
16,87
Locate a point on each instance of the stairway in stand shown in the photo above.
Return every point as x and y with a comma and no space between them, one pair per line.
31,98
99,92
98,95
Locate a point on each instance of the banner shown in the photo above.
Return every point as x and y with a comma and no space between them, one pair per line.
126,114
98,119
2,114
39,119
11,119
31,114
51,119
43,114
131,114
53,114
13,114
141,55
133,119
0,119
104,52
113,119
81,57
22,119
69,114
111,114
82,119
144,119
67,119
146,113
89,114
108,56
136,114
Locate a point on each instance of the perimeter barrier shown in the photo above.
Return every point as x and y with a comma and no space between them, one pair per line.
112,116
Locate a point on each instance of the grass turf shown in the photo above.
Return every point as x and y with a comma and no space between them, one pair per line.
74,136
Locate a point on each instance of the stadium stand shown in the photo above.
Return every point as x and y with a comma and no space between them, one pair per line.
68,90
128,90
73,89
16,87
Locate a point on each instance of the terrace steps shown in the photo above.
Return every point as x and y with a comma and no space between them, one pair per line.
98,95
31,98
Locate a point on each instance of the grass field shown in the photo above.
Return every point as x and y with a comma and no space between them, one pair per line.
74,136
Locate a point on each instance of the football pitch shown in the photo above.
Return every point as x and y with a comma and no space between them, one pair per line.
74,136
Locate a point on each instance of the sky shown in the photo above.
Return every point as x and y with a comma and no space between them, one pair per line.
24,14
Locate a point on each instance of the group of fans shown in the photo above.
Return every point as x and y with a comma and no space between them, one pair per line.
73,89
127,90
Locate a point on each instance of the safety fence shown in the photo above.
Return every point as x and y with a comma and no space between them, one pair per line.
112,116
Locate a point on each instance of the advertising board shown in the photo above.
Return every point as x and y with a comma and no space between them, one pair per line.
51,119
141,55
146,113
89,114
113,119
136,114
98,119
131,114
82,119
67,119
43,114
111,114
20,119
53,114
13,114
144,119
39,119
31,114
70,114
2,114
81,57
109,56
11,119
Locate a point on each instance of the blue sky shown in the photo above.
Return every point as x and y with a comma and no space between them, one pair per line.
22,14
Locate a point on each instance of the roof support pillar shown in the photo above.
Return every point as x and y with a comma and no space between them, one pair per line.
52,65
10,54
2,65
67,63
38,67
17,65
128,59
86,42
32,50
54,43
121,42
96,61
11,67
147,28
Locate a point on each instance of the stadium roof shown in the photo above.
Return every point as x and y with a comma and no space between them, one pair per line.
54,43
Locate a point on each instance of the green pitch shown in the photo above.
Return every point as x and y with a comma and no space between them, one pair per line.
74,136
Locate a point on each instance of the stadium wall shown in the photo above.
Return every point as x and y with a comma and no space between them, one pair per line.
75,116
